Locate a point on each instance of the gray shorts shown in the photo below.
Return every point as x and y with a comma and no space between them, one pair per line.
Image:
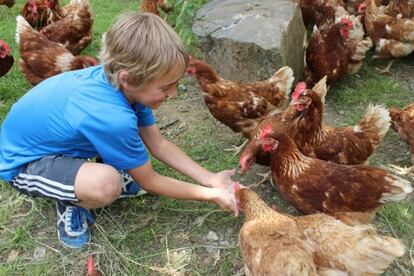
51,176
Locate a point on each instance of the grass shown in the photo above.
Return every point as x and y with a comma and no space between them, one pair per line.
154,235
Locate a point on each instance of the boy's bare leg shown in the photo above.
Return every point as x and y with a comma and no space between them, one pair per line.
97,185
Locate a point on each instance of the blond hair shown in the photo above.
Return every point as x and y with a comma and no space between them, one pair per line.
143,45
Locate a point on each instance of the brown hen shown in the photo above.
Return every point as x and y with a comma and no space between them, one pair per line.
40,13
327,53
393,36
6,59
41,58
152,6
351,193
241,106
303,122
74,31
8,3
402,121
273,243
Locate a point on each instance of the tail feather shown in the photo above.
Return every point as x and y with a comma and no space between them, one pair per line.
399,189
283,79
21,26
376,120
374,253
321,89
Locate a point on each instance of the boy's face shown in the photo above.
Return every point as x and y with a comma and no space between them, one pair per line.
155,92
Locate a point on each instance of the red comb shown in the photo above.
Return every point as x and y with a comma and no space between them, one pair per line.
265,131
347,21
6,49
300,87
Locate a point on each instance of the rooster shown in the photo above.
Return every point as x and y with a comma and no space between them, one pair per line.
403,122
74,31
393,36
40,13
152,6
8,3
41,58
351,193
327,53
6,59
273,243
241,106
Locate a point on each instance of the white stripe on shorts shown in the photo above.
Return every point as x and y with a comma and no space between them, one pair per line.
47,181
35,185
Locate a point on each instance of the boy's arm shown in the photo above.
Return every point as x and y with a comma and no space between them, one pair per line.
170,187
174,157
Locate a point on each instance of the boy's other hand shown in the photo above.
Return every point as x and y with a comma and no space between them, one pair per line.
225,199
221,179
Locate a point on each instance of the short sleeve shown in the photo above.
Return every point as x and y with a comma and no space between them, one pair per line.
144,115
118,144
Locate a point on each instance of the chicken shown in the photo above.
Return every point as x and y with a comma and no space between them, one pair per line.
403,7
403,122
393,36
40,13
351,193
6,59
74,31
303,122
8,3
41,58
327,53
152,6
273,243
358,44
241,106
318,11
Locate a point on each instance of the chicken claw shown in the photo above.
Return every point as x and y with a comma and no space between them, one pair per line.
402,170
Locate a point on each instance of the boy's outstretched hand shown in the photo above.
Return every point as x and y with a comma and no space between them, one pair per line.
221,179
225,198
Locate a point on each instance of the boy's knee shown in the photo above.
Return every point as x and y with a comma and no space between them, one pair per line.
108,186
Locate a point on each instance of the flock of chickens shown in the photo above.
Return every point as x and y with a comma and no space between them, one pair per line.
319,169
51,38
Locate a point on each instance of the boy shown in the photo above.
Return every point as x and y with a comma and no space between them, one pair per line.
105,110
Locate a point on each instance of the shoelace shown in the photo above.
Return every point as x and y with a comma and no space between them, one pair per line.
76,216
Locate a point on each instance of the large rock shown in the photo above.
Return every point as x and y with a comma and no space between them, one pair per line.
249,40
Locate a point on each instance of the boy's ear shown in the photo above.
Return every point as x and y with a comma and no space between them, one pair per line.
123,78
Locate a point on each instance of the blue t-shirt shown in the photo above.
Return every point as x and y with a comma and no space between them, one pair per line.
79,114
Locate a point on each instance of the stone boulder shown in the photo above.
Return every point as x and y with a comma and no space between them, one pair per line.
249,40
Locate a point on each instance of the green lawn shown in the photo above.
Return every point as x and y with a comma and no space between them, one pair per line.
155,235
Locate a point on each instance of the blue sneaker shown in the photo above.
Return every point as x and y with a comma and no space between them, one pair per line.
130,188
73,225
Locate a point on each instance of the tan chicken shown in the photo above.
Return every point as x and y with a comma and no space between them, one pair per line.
40,13
273,243
402,121
6,59
393,36
41,58
241,106
8,3
74,31
351,193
